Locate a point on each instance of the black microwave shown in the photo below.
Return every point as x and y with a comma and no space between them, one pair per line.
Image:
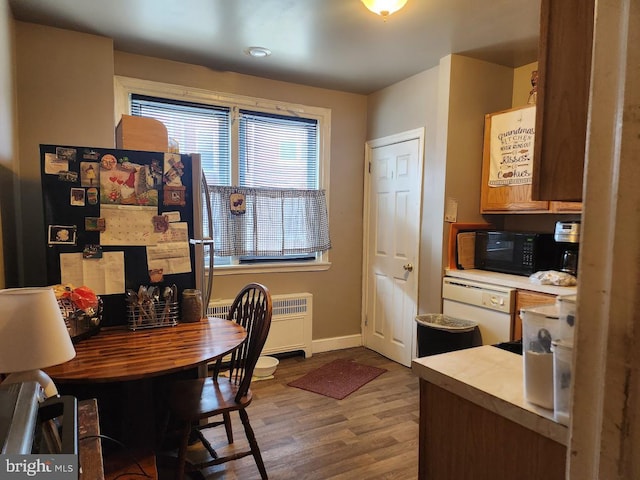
518,253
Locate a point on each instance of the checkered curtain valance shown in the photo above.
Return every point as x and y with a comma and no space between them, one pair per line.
275,222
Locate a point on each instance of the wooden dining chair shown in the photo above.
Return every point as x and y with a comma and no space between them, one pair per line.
191,401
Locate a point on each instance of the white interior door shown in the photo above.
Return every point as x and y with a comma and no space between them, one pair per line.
392,238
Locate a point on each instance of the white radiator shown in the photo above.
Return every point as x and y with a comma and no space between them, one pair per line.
291,322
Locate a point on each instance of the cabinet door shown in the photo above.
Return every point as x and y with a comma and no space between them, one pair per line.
564,71
507,198
525,299
566,207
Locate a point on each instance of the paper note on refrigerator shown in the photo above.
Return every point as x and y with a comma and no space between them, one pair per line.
171,254
128,225
105,276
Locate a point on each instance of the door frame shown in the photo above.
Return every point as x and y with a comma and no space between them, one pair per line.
415,134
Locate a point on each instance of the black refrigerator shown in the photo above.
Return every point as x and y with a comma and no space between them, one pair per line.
116,220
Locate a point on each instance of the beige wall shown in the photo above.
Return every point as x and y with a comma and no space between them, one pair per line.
450,101
408,105
65,97
336,292
522,84
477,88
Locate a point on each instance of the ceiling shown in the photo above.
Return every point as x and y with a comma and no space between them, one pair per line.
336,44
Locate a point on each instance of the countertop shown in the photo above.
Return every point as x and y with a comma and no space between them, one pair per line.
493,379
506,280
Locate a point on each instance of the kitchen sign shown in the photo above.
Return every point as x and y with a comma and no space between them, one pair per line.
511,147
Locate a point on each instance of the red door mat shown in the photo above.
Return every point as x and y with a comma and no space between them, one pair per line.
338,378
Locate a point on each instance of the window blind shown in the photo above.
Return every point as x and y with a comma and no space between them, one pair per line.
278,151
197,128
276,164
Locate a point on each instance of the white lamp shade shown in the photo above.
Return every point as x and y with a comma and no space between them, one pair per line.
33,334
384,7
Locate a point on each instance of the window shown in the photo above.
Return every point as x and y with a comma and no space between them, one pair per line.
243,142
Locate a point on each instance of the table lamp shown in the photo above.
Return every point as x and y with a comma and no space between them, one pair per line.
33,336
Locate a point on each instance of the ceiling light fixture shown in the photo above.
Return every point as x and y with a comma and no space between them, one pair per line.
384,8
258,52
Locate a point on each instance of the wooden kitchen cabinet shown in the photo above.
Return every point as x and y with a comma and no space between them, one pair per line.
564,71
506,198
566,207
459,439
526,299
513,198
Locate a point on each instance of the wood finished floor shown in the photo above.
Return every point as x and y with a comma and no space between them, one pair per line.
370,435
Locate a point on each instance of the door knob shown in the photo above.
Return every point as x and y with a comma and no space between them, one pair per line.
408,267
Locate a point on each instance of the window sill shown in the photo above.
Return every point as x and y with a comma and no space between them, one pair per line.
288,267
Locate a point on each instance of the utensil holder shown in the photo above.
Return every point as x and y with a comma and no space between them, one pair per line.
540,327
157,314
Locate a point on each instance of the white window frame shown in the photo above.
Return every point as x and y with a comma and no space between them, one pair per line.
124,87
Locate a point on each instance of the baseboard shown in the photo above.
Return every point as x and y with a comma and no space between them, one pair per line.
336,343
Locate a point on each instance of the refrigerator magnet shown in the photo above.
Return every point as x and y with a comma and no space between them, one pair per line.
62,234
90,154
156,275
155,172
108,162
173,169
89,174
66,154
92,196
160,223
174,196
67,176
94,224
92,251
172,216
53,165
77,197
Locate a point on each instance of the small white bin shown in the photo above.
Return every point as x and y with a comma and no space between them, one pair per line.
562,380
540,326
567,306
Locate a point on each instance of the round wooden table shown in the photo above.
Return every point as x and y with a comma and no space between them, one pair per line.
127,371
118,354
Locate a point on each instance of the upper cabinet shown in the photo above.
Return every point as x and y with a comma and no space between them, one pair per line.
507,165
506,162
543,173
564,72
